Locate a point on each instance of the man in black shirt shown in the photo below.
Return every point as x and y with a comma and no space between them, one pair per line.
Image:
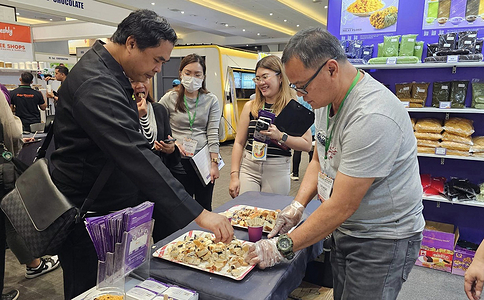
61,73
97,121
26,101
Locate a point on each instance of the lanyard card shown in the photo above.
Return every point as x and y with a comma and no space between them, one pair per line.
259,151
325,186
190,145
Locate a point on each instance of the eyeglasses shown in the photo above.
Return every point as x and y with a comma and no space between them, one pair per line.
259,79
302,89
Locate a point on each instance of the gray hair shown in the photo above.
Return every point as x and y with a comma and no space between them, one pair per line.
313,46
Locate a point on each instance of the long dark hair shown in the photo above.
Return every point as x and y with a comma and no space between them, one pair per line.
189,59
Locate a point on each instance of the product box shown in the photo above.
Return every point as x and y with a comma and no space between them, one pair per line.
438,243
151,289
462,259
177,293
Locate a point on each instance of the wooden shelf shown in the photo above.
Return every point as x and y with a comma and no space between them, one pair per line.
442,199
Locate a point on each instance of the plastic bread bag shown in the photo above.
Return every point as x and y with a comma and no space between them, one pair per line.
420,90
477,92
428,150
432,49
384,18
354,49
449,137
367,52
428,143
380,50
440,92
403,90
428,136
407,46
478,144
458,92
459,126
447,41
457,152
430,125
391,45
413,120
418,50
455,146
467,40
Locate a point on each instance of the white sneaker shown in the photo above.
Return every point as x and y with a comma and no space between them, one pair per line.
46,265
294,177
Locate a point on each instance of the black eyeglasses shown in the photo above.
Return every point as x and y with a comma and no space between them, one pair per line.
302,89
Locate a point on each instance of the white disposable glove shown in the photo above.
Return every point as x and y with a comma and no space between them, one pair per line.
264,253
288,218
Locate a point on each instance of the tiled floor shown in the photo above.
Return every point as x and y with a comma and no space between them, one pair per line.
49,286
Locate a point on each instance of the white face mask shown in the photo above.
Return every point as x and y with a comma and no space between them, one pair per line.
191,84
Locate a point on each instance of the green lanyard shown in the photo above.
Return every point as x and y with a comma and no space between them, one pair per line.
328,141
190,119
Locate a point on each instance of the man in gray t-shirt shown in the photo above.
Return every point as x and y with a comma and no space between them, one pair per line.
365,172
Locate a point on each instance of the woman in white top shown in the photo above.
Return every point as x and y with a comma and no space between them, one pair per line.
271,173
194,115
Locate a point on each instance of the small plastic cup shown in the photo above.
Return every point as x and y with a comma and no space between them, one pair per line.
255,233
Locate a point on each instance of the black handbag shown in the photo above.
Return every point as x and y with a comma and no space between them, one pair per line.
44,230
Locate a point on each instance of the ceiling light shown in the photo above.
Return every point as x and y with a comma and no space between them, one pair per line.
50,19
285,20
243,29
18,14
182,12
307,10
258,33
243,15
270,14
226,25
325,6
247,45
297,25
152,3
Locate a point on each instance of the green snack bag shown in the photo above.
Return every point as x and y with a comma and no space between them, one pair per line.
390,45
440,92
477,94
458,92
418,50
408,45
380,50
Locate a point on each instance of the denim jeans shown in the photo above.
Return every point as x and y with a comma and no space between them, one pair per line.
371,268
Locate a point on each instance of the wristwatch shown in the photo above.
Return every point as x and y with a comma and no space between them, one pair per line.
283,138
215,160
284,245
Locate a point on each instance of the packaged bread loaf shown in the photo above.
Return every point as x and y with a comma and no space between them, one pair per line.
459,126
413,122
456,138
478,144
429,125
428,136
455,146
457,152
425,150
415,105
428,143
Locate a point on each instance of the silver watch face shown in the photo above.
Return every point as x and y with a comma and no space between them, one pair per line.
284,243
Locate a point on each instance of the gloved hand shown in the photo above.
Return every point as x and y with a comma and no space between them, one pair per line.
288,218
264,253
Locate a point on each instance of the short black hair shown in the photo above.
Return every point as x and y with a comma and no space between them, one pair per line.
147,28
62,69
26,77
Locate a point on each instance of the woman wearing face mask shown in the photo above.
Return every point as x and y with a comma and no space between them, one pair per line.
194,117
250,171
155,126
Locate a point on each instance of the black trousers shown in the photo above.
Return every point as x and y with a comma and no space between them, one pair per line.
194,186
3,244
296,161
79,261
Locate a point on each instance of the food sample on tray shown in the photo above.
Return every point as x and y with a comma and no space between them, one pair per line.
240,217
198,249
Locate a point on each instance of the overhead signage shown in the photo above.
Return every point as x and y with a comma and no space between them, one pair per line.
75,4
15,42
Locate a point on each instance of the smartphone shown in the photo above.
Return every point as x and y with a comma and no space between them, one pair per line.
169,140
261,125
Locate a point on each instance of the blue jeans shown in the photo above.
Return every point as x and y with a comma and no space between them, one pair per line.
371,268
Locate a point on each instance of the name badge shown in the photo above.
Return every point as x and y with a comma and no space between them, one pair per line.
190,145
259,150
325,186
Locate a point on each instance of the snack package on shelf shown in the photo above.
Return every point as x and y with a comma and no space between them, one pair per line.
420,90
440,92
480,196
403,90
418,50
432,49
432,185
462,58
467,40
428,143
428,150
391,45
413,122
477,94
459,126
449,137
400,60
447,41
407,46
367,52
458,189
455,146
428,136
458,92
415,105
429,125
380,50
478,46
477,144
344,45
354,49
